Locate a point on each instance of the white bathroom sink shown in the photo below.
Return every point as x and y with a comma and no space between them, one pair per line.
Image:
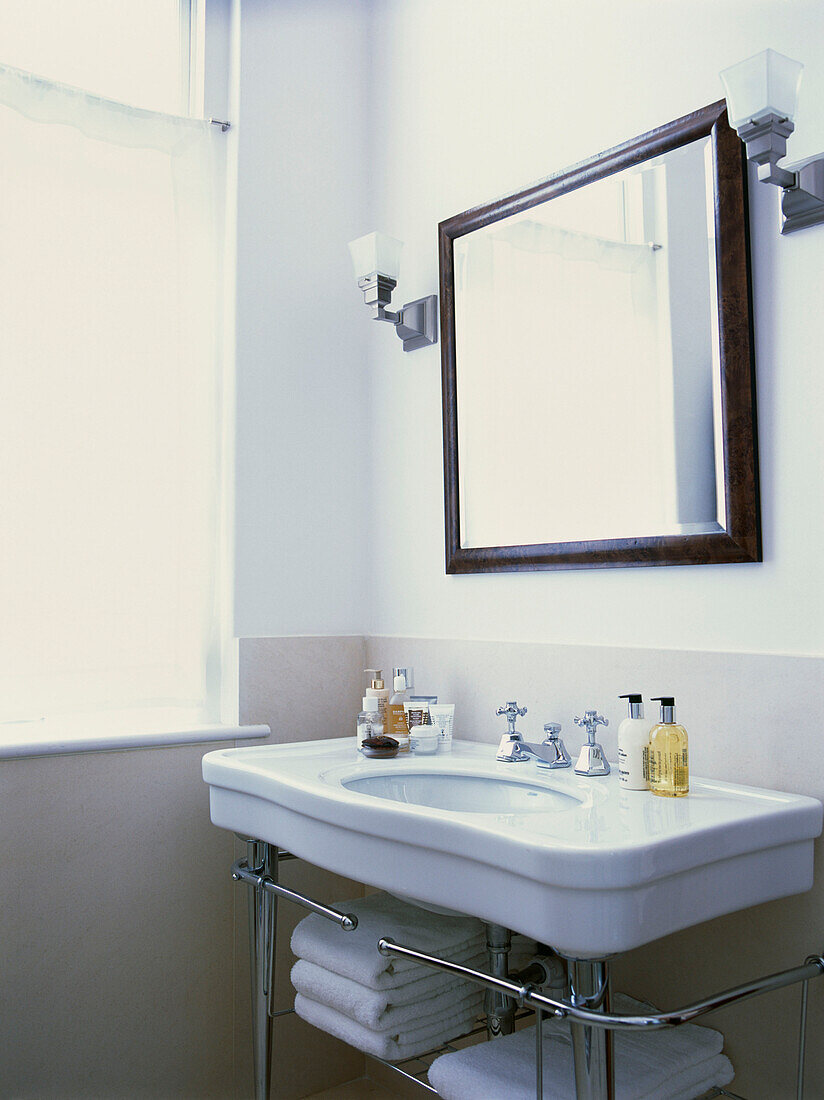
580,864
468,794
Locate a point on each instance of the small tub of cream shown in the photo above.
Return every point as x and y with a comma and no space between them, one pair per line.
424,740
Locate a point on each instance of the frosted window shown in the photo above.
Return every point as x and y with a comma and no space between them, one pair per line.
135,51
109,405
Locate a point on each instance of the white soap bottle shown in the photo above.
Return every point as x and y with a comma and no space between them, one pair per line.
633,741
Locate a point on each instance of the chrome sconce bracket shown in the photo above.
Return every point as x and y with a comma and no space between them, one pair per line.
416,323
802,199
803,203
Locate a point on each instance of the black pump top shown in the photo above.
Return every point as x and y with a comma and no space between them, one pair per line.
633,698
667,708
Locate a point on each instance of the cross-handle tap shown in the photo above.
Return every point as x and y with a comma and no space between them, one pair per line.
591,720
511,747
512,712
592,760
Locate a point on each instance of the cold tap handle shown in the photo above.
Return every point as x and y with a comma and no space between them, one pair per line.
590,721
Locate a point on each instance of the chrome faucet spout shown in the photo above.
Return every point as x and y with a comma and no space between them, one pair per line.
551,753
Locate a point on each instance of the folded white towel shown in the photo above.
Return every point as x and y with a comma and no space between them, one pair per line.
385,1010
675,1064
355,955
434,993
391,1046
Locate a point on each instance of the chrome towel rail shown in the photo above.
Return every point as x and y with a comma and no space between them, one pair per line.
527,995
241,873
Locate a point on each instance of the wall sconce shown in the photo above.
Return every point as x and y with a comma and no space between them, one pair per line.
761,100
376,259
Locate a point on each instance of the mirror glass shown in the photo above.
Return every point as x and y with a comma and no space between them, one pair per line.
586,350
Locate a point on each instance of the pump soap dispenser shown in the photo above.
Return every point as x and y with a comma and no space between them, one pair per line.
376,690
633,742
668,763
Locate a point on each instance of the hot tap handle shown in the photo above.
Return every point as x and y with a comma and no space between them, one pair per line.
591,720
511,711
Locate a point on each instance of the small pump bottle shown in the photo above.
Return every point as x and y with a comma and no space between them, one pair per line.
668,765
633,740
370,723
377,690
396,725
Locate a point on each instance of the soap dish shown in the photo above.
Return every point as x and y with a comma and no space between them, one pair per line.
379,748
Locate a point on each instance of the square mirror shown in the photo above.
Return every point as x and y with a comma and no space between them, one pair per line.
597,363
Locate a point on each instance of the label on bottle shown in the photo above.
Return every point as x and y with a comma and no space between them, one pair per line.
631,769
669,770
396,725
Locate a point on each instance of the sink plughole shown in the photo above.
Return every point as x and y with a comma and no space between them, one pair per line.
581,864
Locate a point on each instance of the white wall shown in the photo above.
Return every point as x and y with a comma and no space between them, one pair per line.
478,100
302,418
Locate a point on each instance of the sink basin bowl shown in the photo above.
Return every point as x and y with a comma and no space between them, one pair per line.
581,864
468,794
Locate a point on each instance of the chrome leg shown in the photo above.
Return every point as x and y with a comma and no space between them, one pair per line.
262,928
591,1046
500,1009
802,1042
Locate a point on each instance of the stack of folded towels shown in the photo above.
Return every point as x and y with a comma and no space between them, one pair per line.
391,1008
680,1063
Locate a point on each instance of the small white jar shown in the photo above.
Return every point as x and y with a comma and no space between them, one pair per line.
424,740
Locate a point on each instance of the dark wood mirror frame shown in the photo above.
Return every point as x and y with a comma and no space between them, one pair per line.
741,541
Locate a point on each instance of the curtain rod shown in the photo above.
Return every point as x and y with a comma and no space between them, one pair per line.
219,122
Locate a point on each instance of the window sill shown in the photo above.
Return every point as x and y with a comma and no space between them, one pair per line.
109,732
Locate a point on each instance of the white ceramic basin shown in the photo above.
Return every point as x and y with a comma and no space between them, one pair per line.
576,863
466,794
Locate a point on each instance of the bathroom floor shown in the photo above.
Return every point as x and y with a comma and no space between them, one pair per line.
362,1089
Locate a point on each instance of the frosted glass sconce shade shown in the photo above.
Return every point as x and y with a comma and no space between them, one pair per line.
376,259
376,252
761,99
766,84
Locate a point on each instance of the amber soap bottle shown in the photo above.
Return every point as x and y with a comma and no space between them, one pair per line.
668,762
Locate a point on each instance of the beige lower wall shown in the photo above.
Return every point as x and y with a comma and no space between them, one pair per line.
115,929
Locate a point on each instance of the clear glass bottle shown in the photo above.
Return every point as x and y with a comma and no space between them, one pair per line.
369,720
396,716
668,765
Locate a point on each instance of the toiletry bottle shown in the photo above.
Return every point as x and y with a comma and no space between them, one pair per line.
370,723
377,690
633,741
668,754
408,675
443,715
396,716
